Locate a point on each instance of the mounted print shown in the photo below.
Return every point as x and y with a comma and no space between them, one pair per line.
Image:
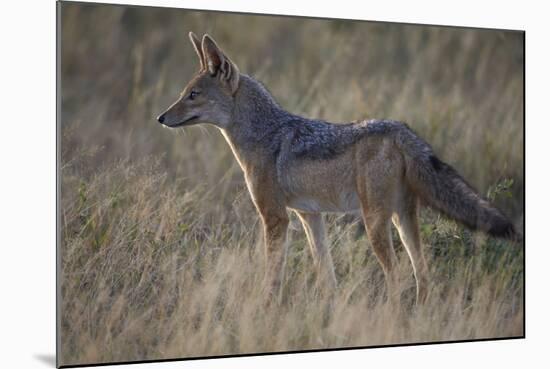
240,184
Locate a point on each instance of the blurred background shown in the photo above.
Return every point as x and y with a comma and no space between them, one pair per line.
160,241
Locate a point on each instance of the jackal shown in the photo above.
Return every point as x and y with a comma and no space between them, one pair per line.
309,166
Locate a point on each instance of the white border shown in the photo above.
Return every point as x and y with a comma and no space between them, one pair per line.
27,154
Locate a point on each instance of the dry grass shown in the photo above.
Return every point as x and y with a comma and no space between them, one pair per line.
160,242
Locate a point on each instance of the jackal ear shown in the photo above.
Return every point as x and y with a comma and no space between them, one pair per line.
217,63
197,45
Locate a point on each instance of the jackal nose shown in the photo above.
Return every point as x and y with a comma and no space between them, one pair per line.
160,118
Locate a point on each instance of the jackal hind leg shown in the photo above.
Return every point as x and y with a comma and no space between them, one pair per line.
377,196
314,227
405,220
378,228
380,168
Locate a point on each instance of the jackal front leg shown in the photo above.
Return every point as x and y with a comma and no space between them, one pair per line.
314,226
275,239
269,201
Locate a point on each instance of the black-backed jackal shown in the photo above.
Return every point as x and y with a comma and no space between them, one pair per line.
379,167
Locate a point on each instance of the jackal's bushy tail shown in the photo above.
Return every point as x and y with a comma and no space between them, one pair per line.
441,187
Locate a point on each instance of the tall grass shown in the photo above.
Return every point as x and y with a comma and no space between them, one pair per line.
161,253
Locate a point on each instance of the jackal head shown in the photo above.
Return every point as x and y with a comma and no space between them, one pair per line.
209,96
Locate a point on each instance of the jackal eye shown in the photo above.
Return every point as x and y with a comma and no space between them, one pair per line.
193,94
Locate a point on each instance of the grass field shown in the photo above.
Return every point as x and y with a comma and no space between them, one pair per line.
160,243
